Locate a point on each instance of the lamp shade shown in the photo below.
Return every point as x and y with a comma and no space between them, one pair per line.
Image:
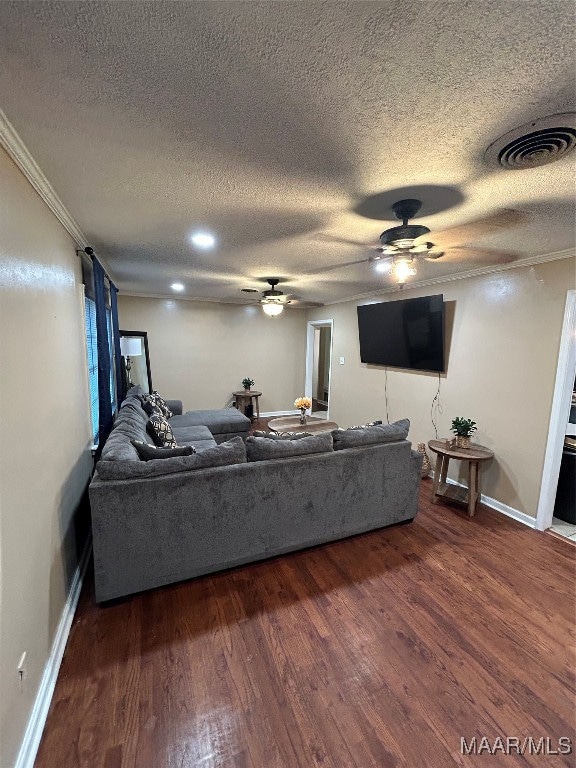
130,347
272,309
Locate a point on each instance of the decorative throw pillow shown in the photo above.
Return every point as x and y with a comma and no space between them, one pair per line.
260,449
281,435
149,407
381,433
149,452
368,424
160,431
156,399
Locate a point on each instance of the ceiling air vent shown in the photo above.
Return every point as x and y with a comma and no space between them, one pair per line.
544,141
248,290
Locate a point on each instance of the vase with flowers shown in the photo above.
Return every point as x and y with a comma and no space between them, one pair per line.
247,383
303,403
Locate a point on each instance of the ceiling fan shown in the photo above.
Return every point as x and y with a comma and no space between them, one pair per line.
274,301
403,245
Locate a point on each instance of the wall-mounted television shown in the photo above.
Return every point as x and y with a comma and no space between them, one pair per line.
403,334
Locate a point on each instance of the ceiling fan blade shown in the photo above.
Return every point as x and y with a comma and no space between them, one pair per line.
323,237
301,304
473,230
475,256
322,270
236,300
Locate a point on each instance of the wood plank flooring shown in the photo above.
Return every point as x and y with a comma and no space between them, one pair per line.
381,651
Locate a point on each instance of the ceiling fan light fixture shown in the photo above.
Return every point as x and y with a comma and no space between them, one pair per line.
401,269
273,308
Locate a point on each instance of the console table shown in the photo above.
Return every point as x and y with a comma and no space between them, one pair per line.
244,398
443,490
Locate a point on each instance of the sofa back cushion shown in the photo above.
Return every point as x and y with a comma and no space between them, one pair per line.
262,448
378,433
231,452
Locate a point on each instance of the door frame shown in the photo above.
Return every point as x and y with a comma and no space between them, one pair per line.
310,328
558,415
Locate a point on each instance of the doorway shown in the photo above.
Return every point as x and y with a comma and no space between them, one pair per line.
561,424
319,366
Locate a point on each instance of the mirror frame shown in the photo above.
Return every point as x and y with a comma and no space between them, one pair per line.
144,336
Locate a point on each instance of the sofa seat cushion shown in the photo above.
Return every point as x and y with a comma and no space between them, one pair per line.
262,448
198,437
356,437
228,420
232,452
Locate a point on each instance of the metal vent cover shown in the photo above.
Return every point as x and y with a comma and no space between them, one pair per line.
543,141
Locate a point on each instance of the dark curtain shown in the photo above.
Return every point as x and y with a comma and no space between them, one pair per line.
104,404
120,386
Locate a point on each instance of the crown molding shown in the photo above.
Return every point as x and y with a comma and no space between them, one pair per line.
19,152
179,297
520,263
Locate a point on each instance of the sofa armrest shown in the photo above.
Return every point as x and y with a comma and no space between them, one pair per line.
175,406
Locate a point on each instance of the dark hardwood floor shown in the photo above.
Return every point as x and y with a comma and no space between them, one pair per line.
380,651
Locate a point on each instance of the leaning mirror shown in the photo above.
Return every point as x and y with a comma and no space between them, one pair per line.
135,360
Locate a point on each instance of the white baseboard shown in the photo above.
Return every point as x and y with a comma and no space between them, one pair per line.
273,414
515,514
37,720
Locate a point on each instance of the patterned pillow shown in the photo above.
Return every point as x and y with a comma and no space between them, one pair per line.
380,433
149,407
259,449
160,432
281,435
159,402
149,452
369,424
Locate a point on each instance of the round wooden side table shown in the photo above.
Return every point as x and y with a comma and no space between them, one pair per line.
244,398
443,490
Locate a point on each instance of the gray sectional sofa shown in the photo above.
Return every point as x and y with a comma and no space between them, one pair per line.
161,521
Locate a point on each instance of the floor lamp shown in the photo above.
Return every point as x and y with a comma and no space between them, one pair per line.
130,347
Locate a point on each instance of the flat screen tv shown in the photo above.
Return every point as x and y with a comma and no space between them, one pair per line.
403,334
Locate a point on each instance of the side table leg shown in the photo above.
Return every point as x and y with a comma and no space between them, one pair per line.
437,472
444,470
472,487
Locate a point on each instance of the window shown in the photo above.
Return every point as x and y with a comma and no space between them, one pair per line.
98,410
92,354
113,393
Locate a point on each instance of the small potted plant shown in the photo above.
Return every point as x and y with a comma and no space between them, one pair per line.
247,383
463,429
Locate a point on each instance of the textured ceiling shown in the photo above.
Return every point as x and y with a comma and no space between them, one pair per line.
279,125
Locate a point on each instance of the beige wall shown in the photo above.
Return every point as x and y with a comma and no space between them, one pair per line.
504,337
201,351
44,461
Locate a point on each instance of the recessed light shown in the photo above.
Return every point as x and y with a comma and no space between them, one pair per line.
177,287
203,240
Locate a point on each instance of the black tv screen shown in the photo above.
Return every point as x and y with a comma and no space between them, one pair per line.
403,334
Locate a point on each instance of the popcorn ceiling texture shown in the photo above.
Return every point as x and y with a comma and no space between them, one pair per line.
267,123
